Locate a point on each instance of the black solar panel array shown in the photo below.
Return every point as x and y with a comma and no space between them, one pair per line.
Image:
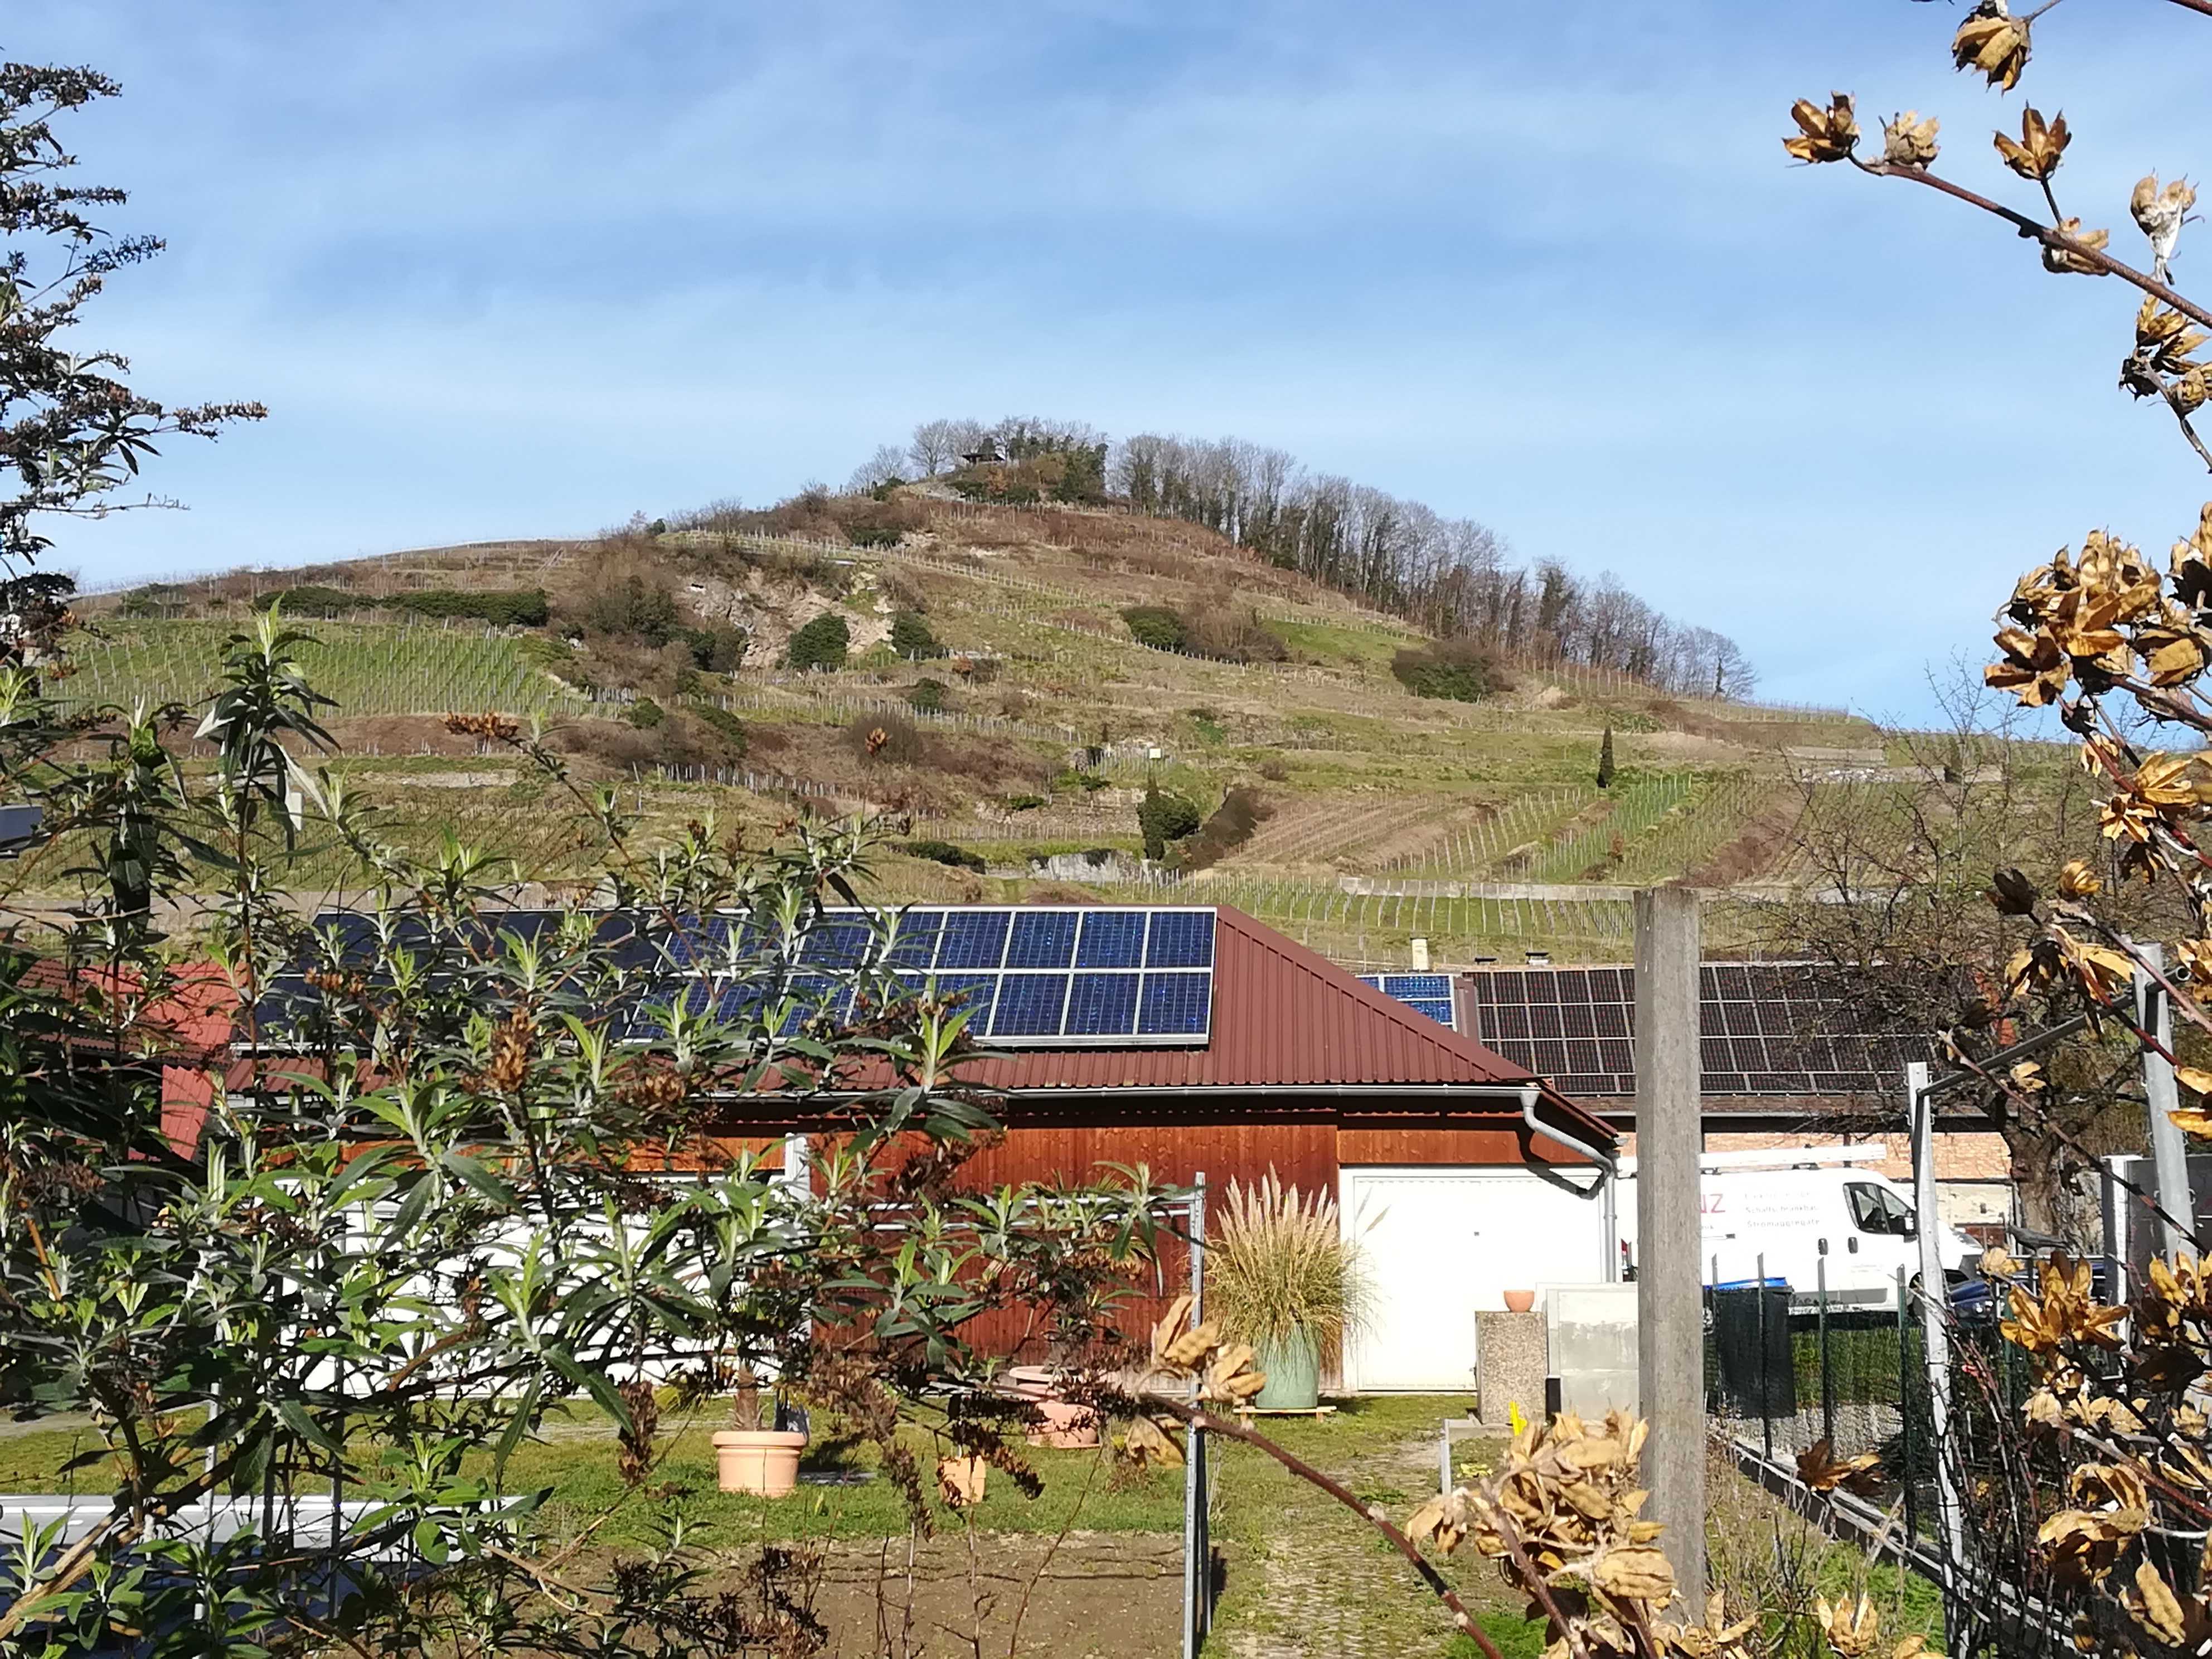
1771,1028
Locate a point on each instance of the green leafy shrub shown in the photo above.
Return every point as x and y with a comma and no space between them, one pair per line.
1155,625
822,643
1165,815
928,695
716,650
872,535
911,638
633,605
943,851
724,725
644,713
1022,802
1452,669
1242,812
525,607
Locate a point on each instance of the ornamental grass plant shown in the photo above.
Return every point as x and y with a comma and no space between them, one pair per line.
1278,1263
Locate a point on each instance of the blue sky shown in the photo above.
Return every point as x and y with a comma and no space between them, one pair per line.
525,268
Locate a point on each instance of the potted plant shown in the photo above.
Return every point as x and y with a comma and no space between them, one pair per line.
1280,1275
752,1454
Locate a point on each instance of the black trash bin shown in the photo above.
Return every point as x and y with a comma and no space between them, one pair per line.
1750,1324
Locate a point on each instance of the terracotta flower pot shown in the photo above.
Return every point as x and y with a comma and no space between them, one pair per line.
762,1462
1066,1425
960,1480
1520,1301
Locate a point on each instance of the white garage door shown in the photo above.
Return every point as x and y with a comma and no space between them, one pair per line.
1440,1243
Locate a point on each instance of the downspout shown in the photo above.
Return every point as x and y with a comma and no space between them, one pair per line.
1530,1096
1604,1188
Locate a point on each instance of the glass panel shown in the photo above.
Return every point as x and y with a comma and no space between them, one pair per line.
1176,1005
1030,1004
973,939
1112,939
978,993
1181,939
1043,939
915,942
1103,1004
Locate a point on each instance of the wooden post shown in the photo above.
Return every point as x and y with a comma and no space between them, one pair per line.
1934,1296
1669,1304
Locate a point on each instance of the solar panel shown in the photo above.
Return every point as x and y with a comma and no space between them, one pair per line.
1112,939
1103,1004
1425,993
1770,1029
1042,939
1030,1005
973,938
1174,1004
1059,976
1181,939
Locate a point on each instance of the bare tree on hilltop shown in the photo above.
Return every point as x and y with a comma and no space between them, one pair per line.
1453,577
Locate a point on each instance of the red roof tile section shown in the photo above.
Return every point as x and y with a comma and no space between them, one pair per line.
1285,1018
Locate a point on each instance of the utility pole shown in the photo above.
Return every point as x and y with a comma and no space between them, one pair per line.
1669,1301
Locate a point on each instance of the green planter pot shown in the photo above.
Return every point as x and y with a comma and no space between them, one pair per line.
1293,1368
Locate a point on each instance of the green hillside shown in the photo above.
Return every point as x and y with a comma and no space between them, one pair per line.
1375,815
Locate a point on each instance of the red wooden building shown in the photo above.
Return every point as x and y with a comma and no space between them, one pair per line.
1462,1174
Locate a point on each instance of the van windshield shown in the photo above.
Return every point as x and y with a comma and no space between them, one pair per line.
1878,1210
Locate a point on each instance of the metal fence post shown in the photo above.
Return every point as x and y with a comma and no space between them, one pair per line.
1197,1544
1765,1367
1934,1300
1828,1361
1904,1408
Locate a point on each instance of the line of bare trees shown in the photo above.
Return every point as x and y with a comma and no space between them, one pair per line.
1454,578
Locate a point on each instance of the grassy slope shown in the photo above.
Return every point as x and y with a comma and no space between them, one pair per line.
1359,778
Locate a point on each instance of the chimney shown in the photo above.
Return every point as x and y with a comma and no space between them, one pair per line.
1420,955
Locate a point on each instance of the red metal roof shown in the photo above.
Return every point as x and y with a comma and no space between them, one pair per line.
1284,1019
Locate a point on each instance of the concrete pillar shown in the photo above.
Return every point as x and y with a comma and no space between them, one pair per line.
1669,1302
2169,1151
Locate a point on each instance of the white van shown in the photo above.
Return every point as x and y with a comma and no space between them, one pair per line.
1799,1208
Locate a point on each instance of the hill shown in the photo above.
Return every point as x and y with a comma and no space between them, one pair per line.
1023,728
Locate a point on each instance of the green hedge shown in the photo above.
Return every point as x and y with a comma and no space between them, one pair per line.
943,851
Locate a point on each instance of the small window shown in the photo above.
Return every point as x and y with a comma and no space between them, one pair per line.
1869,1213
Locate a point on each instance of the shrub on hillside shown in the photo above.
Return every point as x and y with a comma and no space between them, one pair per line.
504,608
1218,626
943,851
911,638
1241,812
644,713
822,643
725,726
927,696
1454,668
1155,625
716,650
1165,815
632,604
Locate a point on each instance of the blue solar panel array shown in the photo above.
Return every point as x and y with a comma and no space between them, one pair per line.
1425,993
1033,976
1051,977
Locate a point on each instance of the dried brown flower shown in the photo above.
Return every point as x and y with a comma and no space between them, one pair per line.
1908,141
1824,134
2040,148
1993,43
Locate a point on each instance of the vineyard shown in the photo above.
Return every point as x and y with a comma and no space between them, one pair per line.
368,669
